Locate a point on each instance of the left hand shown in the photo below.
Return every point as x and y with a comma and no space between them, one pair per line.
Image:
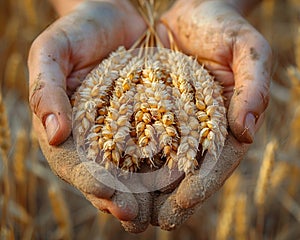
59,60
240,59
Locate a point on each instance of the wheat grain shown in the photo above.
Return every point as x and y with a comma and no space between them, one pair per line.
149,104
176,105
162,91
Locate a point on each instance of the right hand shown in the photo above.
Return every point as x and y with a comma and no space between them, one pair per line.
59,60
240,59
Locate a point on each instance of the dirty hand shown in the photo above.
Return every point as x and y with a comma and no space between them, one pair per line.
59,60
240,59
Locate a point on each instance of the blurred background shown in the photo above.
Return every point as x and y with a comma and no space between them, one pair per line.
260,201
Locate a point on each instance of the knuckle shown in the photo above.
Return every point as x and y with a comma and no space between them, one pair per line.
35,96
35,48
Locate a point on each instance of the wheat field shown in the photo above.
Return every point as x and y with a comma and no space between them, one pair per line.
261,200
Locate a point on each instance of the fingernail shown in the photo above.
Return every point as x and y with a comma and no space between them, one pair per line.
249,127
52,126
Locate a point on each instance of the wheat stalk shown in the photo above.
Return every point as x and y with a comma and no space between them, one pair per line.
279,174
5,143
263,182
226,216
265,171
163,108
60,211
19,156
241,213
32,179
149,105
5,139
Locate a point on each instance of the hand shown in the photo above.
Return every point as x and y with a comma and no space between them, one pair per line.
240,59
59,60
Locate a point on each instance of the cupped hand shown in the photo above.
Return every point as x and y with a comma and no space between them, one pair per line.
59,60
240,59
63,54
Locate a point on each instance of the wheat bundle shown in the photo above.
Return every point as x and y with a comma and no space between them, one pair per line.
149,105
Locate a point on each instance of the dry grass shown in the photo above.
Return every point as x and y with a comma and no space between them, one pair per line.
26,181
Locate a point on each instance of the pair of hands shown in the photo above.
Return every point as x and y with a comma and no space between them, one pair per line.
212,30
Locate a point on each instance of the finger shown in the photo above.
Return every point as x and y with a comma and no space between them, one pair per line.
196,188
93,180
141,222
158,200
48,69
170,214
122,205
66,163
251,67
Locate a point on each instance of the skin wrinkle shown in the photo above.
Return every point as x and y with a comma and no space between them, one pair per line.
238,91
49,61
34,99
265,97
234,36
68,41
36,84
73,83
59,64
237,46
91,21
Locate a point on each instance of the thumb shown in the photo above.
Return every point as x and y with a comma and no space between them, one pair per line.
251,67
47,88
